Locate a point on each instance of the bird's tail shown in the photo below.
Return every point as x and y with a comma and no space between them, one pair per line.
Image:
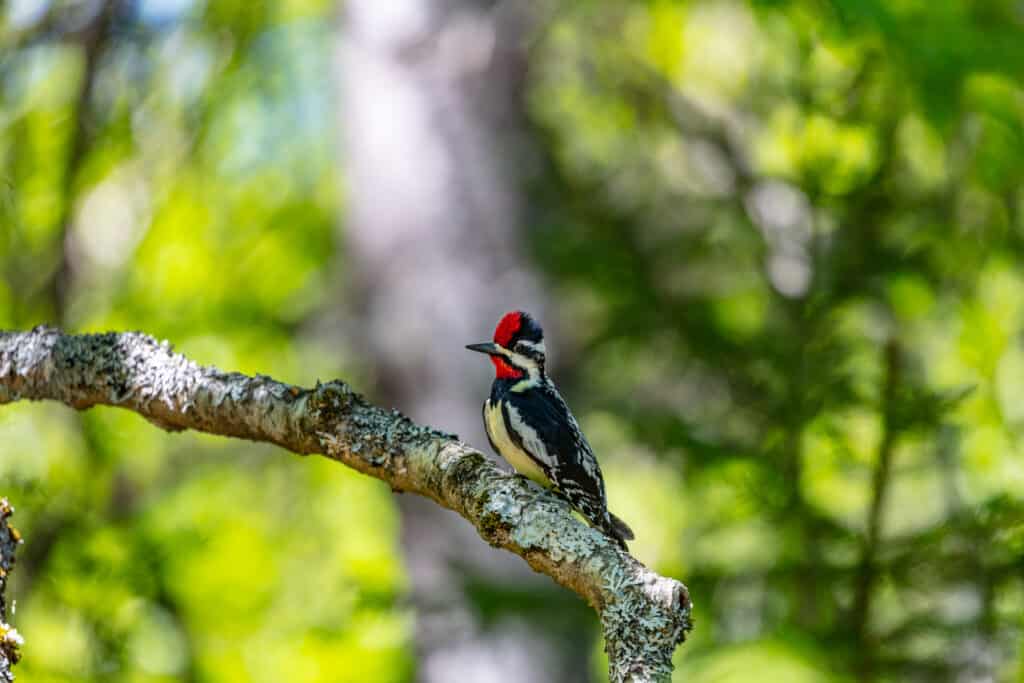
618,530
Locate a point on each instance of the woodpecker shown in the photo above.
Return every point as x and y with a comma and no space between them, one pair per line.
529,424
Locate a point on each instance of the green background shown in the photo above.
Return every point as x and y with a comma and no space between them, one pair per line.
782,239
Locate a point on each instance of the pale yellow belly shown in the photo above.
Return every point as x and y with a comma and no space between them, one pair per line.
507,448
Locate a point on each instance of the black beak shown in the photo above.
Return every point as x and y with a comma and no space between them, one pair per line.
489,348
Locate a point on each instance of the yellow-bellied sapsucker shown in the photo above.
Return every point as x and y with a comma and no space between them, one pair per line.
529,424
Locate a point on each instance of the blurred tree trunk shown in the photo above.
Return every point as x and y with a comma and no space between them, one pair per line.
434,150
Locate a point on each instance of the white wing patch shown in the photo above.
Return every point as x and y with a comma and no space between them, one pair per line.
494,421
528,435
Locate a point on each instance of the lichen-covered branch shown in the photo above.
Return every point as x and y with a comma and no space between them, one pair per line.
644,615
9,638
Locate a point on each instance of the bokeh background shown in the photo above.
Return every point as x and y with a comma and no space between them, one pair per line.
776,244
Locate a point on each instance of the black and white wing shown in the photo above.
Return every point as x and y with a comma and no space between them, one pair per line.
544,428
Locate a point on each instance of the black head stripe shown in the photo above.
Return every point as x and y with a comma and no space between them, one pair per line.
529,330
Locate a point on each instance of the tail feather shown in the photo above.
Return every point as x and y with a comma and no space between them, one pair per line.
619,530
611,526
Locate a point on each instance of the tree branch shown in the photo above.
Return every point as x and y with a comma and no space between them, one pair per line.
644,615
9,638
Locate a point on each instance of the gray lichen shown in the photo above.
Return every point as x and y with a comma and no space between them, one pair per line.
644,616
10,640
647,617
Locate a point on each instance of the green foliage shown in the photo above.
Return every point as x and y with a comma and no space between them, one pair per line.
783,238
202,210
794,230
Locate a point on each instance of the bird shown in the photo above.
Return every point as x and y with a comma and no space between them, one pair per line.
530,425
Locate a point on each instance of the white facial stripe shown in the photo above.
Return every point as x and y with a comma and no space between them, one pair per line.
536,346
526,363
521,360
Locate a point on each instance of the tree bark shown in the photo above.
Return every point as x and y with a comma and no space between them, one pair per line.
644,616
9,638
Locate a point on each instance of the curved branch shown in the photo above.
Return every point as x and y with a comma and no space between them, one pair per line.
644,615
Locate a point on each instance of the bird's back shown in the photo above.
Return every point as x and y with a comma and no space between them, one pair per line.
545,430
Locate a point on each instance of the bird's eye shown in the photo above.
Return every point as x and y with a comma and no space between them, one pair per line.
520,347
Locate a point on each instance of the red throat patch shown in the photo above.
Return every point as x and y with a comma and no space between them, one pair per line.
502,370
508,326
